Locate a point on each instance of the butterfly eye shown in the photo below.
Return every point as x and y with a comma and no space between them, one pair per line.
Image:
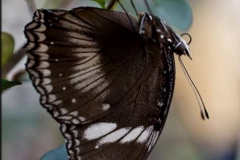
179,48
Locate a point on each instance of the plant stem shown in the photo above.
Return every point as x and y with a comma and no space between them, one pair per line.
12,62
112,3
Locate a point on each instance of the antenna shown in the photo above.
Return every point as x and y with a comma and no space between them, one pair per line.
134,7
127,15
203,110
148,7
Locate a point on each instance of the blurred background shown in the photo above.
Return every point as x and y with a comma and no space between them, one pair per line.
28,131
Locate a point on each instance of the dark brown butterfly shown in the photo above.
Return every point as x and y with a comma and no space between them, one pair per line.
105,77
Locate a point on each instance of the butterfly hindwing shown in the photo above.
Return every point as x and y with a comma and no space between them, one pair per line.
100,80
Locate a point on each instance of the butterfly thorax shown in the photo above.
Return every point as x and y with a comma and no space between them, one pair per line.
153,28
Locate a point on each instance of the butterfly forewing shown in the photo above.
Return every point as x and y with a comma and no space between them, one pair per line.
101,80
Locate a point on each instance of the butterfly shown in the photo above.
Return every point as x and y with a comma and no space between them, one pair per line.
105,76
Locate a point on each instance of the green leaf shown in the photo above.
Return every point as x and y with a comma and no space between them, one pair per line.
176,13
101,3
5,84
59,153
7,47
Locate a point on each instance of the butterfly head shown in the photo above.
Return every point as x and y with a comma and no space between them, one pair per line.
155,29
181,46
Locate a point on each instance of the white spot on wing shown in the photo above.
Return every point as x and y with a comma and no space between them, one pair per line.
36,81
63,128
55,113
113,137
169,40
158,30
105,107
145,134
74,113
63,111
49,88
75,121
30,55
42,48
69,144
160,103
77,142
46,81
153,141
142,31
49,106
70,152
42,17
42,56
43,99
72,127
41,28
30,38
43,64
132,135
75,133
39,89
34,73
98,130
41,36
68,136
45,72
32,26
77,152
58,102
52,97
73,100
81,118
30,45
65,117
